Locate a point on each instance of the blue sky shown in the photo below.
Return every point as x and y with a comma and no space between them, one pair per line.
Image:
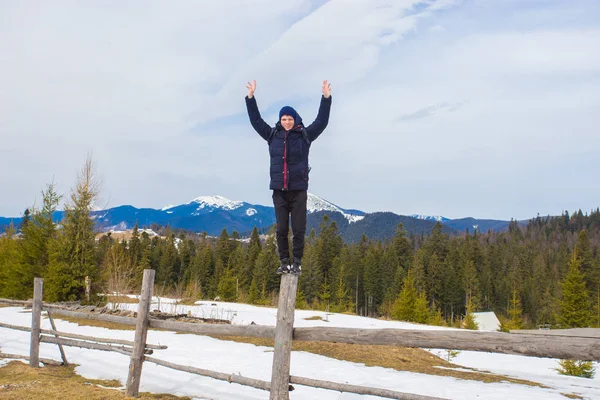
484,108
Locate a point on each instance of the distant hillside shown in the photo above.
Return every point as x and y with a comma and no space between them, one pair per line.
377,226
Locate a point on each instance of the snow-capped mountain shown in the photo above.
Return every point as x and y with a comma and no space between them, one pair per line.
210,203
212,214
316,203
437,218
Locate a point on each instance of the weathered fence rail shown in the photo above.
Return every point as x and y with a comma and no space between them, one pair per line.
573,332
581,345
81,337
585,348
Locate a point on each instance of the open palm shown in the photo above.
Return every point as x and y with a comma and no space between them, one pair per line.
326,89
251,86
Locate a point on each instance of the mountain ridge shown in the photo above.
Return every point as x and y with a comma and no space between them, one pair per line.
213,213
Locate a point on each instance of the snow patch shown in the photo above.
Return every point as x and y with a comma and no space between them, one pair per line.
250,212
437,218
216,202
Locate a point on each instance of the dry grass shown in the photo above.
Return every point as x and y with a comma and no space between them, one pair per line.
20,382
188,301
96,323
122,299
398,358
314,318
572,396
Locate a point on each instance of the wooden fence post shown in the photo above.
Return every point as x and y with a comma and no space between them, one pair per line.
36,321
280,376
141,332
60,348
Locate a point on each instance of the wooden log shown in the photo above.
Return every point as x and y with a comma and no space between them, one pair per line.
343,387
85,315
60,348
231,378
259,331
141,333
36,321
45,361
19,303
82,337
280,373
586,349
87,345
103,340
573,332
15,327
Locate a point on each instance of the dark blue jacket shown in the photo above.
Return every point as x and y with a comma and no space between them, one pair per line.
289,149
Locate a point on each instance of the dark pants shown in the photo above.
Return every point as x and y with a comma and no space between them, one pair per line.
290,202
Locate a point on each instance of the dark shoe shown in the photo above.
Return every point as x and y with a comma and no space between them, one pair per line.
296,267
284,267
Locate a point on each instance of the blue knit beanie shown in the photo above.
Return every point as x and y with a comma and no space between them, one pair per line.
287,110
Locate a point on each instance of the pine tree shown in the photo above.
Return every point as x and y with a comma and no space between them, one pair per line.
311,279
515,320
469,322
325,294
421,311
341,291
470,282
418,270
227,286
37,232
143,264
253,293
436,278
585,257
404,306
25,220
575,304
435,316
168,263
301,303
72,254
252,253
264,271
372,279
223,247
515,312
135,246
328,246
9,254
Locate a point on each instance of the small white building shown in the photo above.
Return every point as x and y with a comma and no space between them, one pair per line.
487,321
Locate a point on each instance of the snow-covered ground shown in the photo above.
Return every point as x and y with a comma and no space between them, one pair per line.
255,361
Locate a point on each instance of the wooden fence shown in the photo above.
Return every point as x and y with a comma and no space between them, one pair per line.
566,345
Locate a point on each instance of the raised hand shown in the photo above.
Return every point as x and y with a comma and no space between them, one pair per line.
326,89
251,86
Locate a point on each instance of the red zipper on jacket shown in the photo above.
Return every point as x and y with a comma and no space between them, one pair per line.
284,160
